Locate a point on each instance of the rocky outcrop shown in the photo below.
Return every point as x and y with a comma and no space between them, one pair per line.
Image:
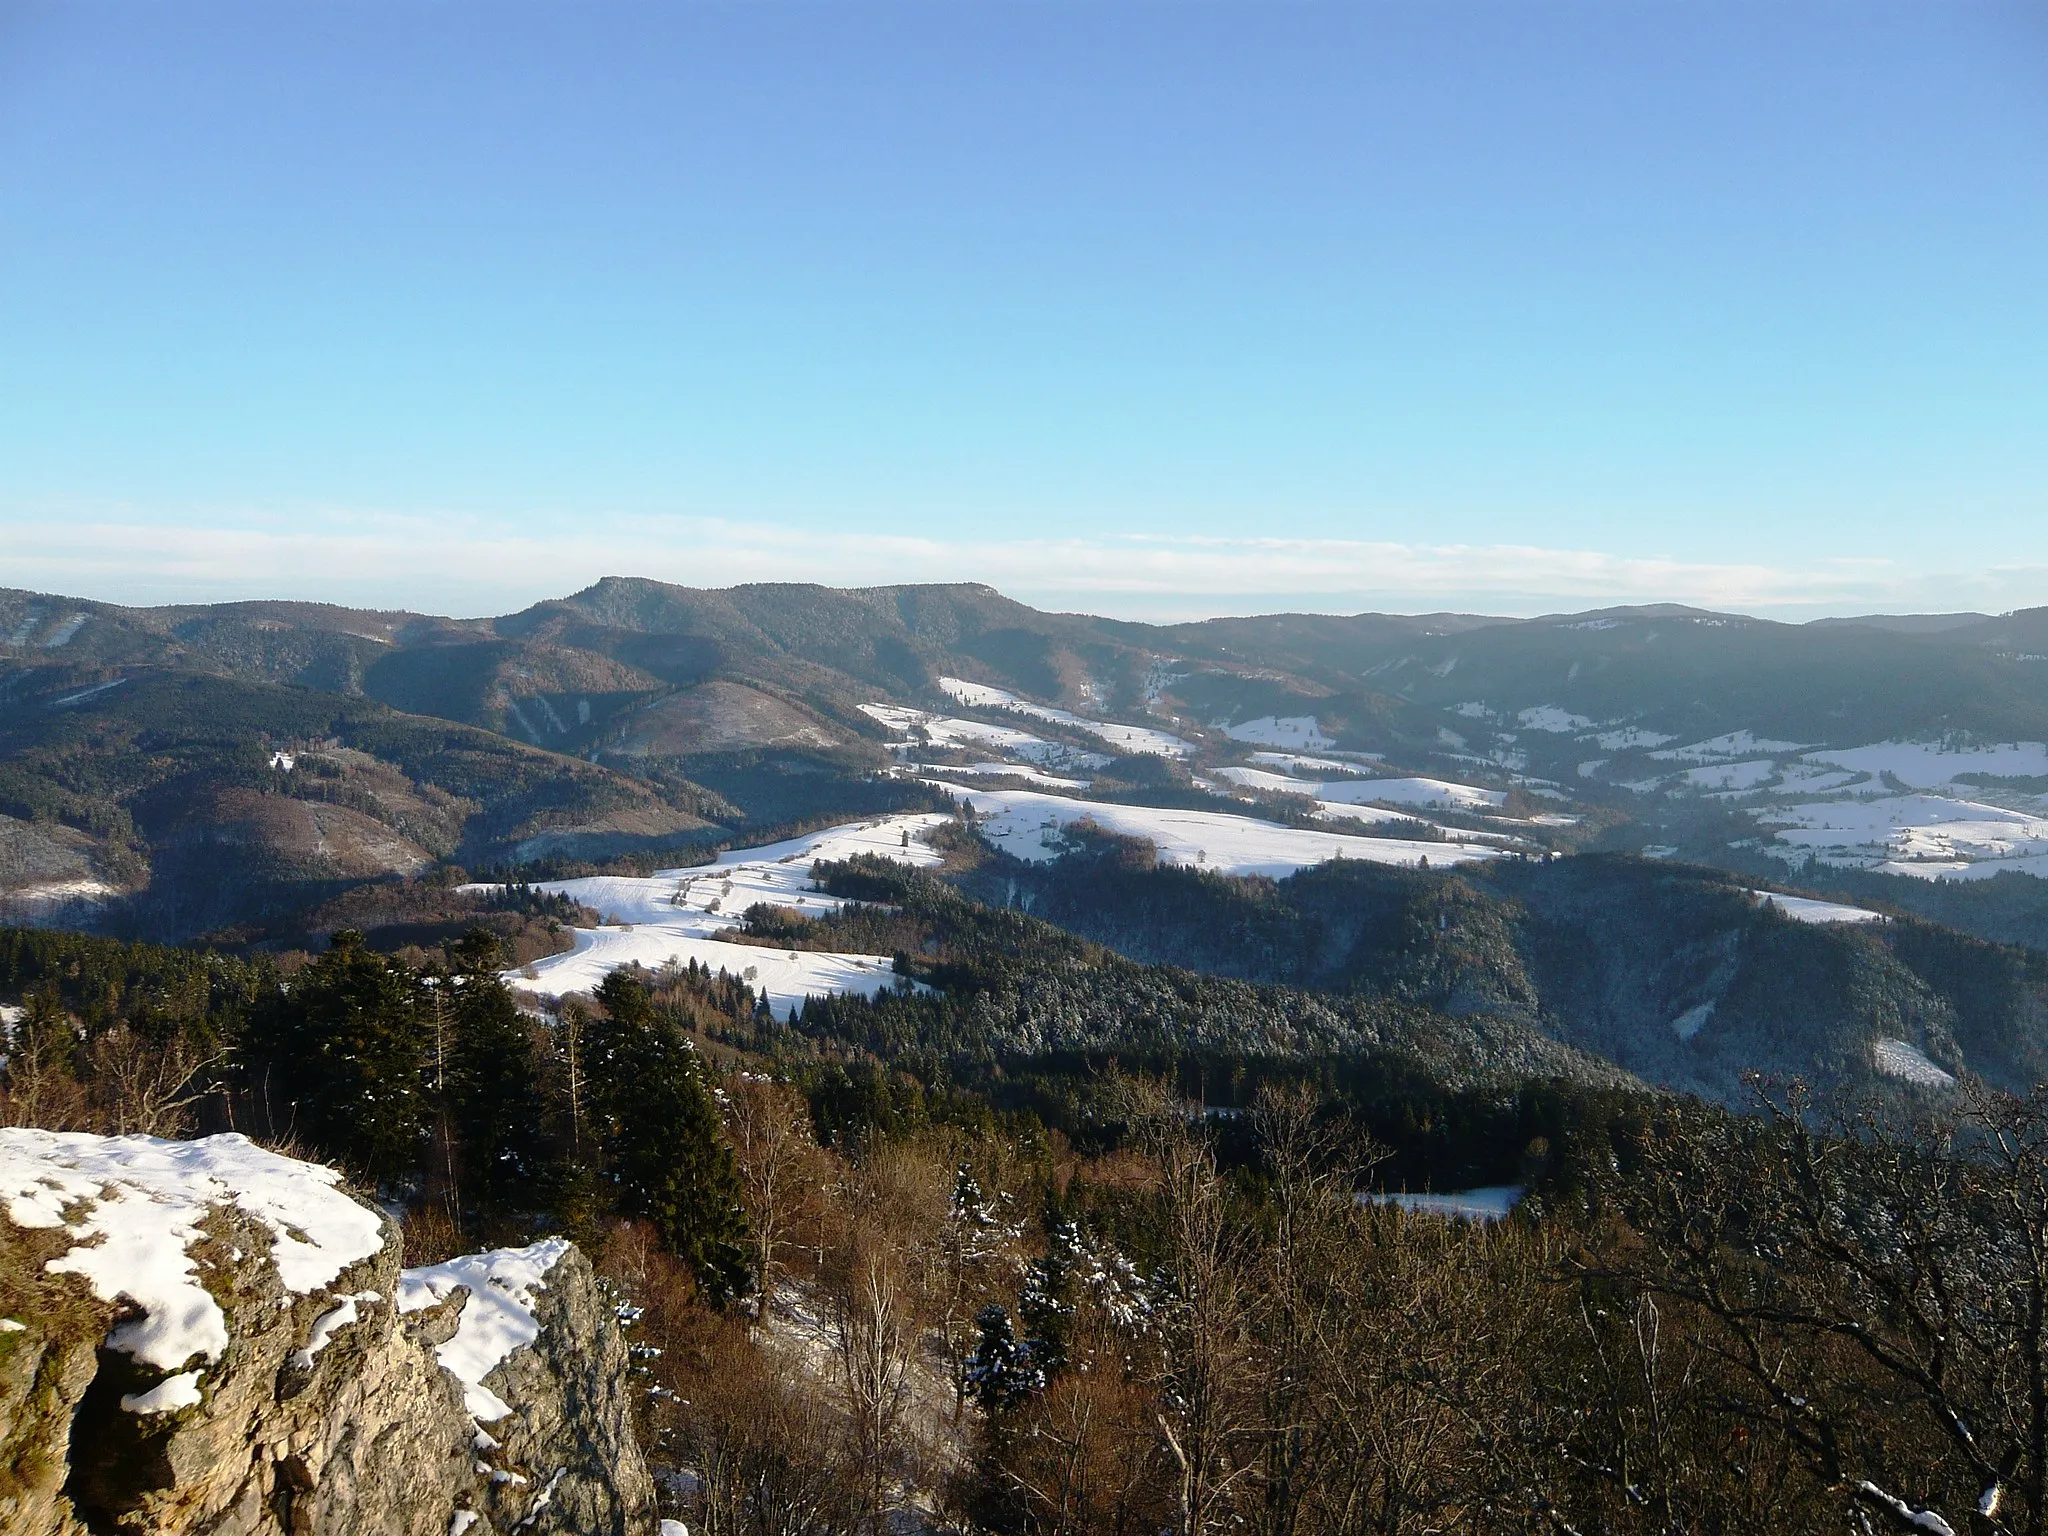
207,1338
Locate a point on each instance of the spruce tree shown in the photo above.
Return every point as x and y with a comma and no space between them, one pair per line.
661,1133
491,1088
346,1052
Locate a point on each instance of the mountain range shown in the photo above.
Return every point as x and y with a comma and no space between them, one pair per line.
252,773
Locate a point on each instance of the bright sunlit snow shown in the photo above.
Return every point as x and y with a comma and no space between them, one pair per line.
1805,909
998,770
497,1318
1032,826
1931,765
677,915
1908,1063
136,1204
979,736
1437,794
1926,835
1128,739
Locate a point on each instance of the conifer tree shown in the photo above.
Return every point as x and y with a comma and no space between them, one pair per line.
491,1090
346,1051
661,1133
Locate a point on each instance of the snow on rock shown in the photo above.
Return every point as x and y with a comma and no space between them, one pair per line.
1908,1063
135,1204
1033,827
497,1318
1804,909
1282,731
1128,739
167,1396
679,914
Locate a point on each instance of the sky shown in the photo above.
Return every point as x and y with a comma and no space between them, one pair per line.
1151,309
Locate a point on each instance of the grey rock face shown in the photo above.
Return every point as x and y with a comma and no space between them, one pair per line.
364,1434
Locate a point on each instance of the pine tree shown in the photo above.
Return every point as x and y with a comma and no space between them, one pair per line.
661,1132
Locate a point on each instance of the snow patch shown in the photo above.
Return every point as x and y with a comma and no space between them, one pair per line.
1282,731
167,1396
496,1320
1692,1021
1548,717
1733,745
1909,1064
1804,909
1129,739
1033,827
64,633
1731,777
135,1205
1629,739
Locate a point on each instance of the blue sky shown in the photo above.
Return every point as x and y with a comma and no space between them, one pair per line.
1152,309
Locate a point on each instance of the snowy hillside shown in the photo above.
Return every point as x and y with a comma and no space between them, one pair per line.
1032,826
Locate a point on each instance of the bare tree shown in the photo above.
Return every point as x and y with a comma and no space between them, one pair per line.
1207,1419
781,1168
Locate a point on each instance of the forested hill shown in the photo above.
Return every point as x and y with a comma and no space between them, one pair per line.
1681,975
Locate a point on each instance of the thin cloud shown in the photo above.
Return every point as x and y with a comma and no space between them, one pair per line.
459,563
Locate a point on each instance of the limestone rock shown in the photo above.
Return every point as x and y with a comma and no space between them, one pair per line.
242,1367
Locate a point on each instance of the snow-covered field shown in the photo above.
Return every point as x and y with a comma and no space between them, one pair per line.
1928,835
1128,739
1726,748
1032,826
1805,909
1556,721
1282,731
1434,794
997,770
677,915
979,736
1294,762
1933,765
